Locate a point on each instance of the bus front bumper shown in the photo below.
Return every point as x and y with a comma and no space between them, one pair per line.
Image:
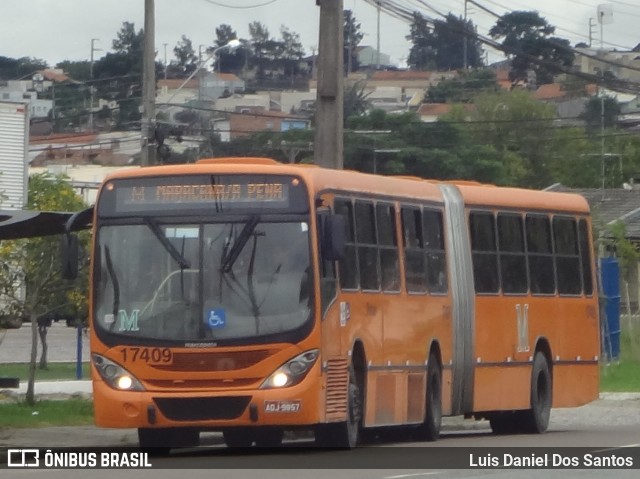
297,405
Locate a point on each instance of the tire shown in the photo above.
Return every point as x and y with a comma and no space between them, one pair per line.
269,437
238,437
504,423
345,435
536,419
159,441
429,430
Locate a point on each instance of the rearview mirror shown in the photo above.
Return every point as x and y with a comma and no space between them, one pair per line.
69,253
332,236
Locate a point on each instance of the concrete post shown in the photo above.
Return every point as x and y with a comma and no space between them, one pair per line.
329,103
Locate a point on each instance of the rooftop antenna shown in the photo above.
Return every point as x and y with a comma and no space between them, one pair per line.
605,17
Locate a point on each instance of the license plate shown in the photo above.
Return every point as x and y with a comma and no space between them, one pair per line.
282,406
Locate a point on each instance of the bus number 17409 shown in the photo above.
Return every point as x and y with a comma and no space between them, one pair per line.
147,355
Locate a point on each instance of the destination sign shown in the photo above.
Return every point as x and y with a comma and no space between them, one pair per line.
198,193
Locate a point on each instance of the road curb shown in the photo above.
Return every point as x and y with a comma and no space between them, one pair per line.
619,396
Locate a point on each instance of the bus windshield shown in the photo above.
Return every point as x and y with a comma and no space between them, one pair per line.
202,282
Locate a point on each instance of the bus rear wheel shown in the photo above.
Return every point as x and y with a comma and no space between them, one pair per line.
429,430
505,422
536,419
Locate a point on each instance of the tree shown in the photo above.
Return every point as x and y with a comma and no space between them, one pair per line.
448,43
292,52
78,70
441,150
441,46
600,111
186,59
355,100
129,41
464,88
261,45
30,282
17,68
230,61
626,251
527,40
71,100
119,74
421,55
520,128
352,38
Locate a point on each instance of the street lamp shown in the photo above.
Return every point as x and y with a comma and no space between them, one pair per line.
232,45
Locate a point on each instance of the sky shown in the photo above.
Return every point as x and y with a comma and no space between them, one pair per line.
56,30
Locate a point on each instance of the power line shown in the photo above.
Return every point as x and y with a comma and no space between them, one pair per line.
404,14
241,7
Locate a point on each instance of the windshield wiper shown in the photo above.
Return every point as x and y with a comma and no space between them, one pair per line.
239,243
168,245
115,283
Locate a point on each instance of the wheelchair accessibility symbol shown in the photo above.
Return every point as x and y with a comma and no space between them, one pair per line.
216,318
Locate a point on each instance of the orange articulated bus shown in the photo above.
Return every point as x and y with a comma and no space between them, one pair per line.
251,297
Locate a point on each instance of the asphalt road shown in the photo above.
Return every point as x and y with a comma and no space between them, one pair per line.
390,457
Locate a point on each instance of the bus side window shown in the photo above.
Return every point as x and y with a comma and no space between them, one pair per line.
485,255
435,258
368,261
539,254
389,266
415,276
585,256
513,262
349,264
565,240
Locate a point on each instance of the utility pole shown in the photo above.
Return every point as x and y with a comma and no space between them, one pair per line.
591,27
329,101
464,38
148,152
165,60
93,49
378,40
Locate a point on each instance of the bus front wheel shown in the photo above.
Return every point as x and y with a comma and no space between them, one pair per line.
238,437
536,419
345,435
161,440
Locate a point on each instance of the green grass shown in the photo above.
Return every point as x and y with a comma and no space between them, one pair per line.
55,371
622,376
72,412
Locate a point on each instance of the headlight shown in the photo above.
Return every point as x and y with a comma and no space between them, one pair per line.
115,375
292,372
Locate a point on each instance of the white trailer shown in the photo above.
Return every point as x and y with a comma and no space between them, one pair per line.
14,147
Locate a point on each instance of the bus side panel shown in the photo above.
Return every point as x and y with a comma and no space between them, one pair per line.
575,384
502,374
501,388
570,325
